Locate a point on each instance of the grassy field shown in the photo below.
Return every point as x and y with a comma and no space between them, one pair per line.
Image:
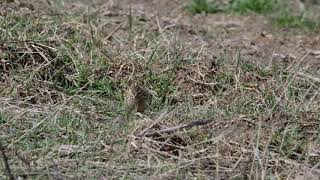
234,89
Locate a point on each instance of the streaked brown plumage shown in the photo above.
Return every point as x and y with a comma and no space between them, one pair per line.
138,98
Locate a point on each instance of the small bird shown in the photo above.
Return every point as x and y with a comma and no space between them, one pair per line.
138,98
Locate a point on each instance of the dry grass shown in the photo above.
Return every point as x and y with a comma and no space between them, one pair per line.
222,115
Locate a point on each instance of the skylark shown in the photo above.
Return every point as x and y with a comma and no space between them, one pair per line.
138,98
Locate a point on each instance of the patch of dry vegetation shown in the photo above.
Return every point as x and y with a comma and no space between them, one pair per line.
62,106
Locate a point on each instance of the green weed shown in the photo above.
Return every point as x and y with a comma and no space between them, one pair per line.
256,6
203,6
302,20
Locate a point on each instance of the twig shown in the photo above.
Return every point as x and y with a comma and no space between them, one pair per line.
161,117
113,31
25,41
5,160
315,79
202,83
189,125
